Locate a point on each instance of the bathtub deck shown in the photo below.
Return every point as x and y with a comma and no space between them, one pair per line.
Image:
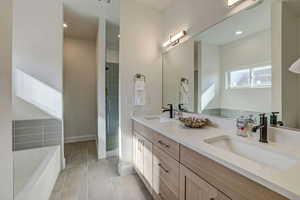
85,178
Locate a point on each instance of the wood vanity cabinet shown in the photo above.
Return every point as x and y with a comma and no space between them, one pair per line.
165,175
172,171
234,185
192,187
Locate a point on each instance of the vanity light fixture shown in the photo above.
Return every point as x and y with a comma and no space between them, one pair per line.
233,2
175,39
295,67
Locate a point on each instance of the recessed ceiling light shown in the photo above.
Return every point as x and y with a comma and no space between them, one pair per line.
239,32
65,25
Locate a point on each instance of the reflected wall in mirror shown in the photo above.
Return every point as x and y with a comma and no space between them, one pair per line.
238,67
179,68
235,71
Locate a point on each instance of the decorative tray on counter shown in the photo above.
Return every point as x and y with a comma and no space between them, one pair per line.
193,122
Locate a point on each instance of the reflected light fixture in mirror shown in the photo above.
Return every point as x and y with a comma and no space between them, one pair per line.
233,2
65,25
175,39
239,32
296,67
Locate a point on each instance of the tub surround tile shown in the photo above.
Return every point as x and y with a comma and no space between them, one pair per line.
25,146
28,134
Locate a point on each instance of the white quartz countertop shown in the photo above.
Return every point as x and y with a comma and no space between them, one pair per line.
282,181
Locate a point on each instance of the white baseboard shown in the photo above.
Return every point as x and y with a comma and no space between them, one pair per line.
80,139
112,153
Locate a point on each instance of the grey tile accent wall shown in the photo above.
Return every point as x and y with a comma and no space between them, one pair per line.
112,106
28,134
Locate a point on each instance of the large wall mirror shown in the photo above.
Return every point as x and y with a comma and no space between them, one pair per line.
239,66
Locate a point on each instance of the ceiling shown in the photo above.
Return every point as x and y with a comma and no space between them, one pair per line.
160,5
248,21
82,16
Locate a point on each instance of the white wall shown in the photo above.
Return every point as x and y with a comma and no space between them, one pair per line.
80,88
141,30
38,47
101,104
6,156
254,50
24,110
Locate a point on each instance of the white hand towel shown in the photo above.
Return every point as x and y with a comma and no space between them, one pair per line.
185,87
140,98
184,94
139,93
139,85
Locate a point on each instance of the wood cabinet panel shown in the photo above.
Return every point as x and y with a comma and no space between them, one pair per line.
138,153
192,187
163,192
167,145
165,171
148,162
234,185
144,131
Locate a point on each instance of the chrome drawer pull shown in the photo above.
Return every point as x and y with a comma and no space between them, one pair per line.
164,169
163,144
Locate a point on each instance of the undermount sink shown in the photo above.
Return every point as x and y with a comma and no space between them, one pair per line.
254,152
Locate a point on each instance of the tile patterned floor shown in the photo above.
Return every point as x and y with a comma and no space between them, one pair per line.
86,178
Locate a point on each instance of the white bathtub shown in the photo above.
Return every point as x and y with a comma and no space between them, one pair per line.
35,172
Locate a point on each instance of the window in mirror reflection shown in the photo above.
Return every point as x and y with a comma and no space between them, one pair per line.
262,77
257,77
239,79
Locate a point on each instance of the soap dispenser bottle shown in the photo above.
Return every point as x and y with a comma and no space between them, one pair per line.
241,125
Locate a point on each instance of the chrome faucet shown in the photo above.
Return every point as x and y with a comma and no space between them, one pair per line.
170,110
263,128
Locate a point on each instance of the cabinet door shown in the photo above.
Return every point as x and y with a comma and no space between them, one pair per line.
192,187
134,151
165,175
138,154
148,160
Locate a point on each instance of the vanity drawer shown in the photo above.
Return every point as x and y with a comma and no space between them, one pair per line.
164,193
146,132
167,145
166,171
234,185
